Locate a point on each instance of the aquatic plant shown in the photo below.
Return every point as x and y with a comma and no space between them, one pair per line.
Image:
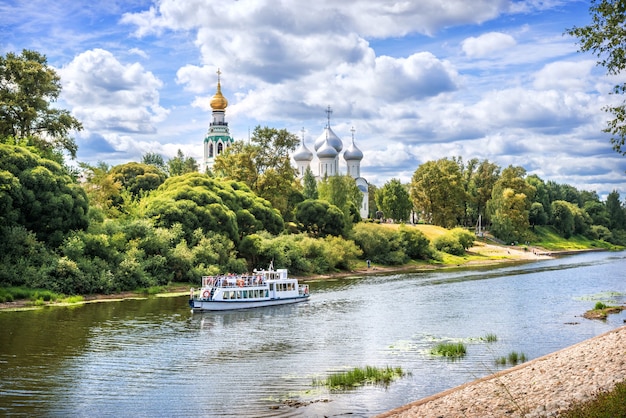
491,338
513,358
449,350
360,376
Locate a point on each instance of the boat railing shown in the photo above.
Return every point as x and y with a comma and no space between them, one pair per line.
233,281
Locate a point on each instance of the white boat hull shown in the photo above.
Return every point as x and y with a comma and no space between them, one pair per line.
199,305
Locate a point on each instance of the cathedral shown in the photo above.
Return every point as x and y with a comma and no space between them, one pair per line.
328,149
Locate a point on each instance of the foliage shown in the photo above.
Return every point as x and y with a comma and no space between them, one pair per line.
264,165
609,404
137,177
359,376
512,358
342,192
309,191
299,253
39,195
414,243
389,246
197,200
154,159
27,88
605,37
319,218
454,350
437,192
563,218
180,165
454,242
394,201
510,205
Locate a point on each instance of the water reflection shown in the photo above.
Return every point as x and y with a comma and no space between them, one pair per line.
154,357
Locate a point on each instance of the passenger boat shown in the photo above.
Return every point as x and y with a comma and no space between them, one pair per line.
244,291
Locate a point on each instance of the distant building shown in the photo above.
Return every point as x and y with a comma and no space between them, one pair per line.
218,137
328,147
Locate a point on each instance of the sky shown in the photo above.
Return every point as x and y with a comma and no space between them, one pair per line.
417,80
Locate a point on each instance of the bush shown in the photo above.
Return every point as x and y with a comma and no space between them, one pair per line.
449,244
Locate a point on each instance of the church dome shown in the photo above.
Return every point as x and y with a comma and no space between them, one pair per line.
327,151
353,153
218,101
333,140
303,153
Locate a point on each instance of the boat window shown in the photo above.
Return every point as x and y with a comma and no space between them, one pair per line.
271,286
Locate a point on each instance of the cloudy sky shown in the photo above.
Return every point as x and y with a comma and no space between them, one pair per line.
418,80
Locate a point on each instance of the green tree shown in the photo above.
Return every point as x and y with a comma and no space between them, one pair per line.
179,165
437,192
342,192
28,86
563,218
39,195
320,218
264,165
197,200
309,185
103,190
393,199
152,158
615,210
605,37
137,177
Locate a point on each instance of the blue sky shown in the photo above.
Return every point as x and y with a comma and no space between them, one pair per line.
418,80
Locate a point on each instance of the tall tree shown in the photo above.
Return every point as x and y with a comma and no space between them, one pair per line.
437,192
264,165
393,199
481,186
342,192
28,86
510,204
152,158
616,211
605,37
179,165
309,185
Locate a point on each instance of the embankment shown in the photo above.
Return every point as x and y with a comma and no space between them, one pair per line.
543,387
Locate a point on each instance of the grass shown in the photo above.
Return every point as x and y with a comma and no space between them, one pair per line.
605,405
453,350
491,338
548,238
37,296
513,358
361,376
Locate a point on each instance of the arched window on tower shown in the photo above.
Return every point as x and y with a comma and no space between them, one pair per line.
220,148
210,150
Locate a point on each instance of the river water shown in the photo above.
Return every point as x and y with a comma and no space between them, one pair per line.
154,357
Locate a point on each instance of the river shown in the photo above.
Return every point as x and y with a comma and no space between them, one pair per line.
153,357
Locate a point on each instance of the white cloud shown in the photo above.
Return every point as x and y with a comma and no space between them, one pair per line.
486,45
106,94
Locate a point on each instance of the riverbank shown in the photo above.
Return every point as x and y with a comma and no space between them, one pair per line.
481,254
543,387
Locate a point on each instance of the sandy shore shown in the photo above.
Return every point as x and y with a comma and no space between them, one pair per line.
543,387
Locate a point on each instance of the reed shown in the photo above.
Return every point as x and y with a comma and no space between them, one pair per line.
513,358
453,350
491,338
361,376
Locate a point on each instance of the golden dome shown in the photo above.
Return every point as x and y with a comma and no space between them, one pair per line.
218,101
